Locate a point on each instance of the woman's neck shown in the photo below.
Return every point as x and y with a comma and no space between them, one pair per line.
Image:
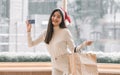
56,28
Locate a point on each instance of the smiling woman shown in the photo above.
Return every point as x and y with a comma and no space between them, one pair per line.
90,22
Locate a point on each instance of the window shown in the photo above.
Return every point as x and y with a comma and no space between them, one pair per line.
13,35
96,20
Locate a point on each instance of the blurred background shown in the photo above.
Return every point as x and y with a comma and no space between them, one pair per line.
97,20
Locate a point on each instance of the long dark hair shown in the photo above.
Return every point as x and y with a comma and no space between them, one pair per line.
50,30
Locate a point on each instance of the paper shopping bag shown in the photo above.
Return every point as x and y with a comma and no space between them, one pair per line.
83,64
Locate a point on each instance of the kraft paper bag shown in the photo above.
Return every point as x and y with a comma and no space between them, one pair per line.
83,64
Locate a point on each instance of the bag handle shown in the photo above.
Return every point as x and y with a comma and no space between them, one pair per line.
75,50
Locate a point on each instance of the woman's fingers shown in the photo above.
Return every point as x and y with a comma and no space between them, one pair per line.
28,26
27,22
89,42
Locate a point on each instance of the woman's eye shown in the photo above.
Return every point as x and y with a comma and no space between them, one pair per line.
53,15
58,16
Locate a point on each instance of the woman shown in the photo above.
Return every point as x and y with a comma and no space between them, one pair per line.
58,40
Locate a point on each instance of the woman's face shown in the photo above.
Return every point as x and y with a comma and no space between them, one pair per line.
56,18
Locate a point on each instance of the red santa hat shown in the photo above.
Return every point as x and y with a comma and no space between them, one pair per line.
65,14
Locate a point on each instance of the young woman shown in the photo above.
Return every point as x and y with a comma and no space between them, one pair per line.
58,40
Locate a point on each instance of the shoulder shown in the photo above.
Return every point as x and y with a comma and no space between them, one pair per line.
67,31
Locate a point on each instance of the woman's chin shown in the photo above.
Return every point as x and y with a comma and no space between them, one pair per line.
55,24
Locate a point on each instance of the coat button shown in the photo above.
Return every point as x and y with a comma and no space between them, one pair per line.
55,58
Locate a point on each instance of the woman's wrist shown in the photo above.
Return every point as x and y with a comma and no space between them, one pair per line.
84,44
28,30
80,46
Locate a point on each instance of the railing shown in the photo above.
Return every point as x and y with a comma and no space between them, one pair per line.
44,68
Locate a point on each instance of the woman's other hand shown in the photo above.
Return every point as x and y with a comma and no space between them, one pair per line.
88,43
28,26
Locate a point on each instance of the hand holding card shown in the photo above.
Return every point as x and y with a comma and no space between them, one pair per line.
31,21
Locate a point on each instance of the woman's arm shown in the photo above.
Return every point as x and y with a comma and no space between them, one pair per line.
70,41
84,44
37,41
71,44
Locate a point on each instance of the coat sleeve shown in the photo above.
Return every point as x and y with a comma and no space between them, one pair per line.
31,42
69,41
71,44
80,46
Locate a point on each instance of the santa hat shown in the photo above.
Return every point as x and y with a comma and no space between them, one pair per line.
65,14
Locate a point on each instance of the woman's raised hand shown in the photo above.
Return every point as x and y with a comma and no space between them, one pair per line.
88,43
29,26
